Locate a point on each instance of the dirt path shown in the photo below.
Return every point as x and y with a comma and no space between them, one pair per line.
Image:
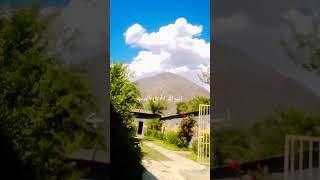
175,167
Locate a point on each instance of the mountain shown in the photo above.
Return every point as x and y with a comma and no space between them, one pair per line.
169,85
250,91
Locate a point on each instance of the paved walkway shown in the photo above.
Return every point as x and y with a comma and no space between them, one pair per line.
179,168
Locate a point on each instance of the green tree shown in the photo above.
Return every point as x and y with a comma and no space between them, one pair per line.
192,105
124,94
156,107
43,104
270,134
126,152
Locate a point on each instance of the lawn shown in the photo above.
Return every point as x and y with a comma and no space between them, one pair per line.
166,145
188,151
151,154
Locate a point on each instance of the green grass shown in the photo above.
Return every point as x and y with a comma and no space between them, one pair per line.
166,145
151,154
192,156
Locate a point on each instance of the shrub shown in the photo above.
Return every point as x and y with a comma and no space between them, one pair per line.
172,138
185,133
154,124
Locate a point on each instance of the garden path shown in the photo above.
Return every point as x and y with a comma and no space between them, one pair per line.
177,168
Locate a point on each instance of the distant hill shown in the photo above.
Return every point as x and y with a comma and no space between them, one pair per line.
251,91
170,85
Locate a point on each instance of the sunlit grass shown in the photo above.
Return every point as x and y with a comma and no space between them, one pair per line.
151,154
190,155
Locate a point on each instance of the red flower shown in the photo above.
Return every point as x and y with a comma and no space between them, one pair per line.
234,165
183,114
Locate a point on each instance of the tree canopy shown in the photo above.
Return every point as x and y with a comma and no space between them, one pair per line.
126,152
156,107
124,94
192,105
43,105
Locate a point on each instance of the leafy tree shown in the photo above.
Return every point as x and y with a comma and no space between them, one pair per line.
43,105
270,134
126,152
192,105
155,124
156,107
265,139
124,94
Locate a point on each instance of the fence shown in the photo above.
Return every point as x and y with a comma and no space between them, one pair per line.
302,157
204,134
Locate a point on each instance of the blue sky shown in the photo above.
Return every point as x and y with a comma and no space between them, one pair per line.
152,15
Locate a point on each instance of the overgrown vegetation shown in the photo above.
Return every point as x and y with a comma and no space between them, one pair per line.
192,105
170,137
125,148
264,139
155,124
43,104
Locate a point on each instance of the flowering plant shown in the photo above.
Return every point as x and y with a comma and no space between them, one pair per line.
185,132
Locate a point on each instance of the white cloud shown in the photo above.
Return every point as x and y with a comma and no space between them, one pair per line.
175,48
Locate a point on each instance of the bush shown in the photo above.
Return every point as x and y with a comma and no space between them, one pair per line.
185,133
172,138
155,124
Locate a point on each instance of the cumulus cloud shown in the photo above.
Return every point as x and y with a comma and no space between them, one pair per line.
176,48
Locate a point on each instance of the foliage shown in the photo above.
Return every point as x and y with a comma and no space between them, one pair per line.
170,137
43,105
155,124
264,139
185,133
192,105
270,134
126,151
156,107
124,146
124,94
